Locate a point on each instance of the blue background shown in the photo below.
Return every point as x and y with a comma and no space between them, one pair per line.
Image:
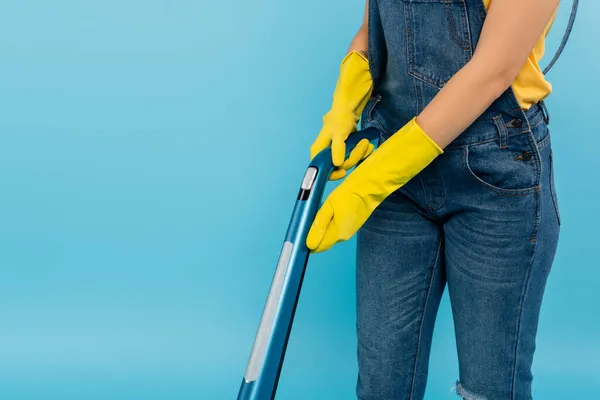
150,154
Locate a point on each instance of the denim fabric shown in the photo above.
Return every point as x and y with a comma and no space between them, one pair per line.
482,219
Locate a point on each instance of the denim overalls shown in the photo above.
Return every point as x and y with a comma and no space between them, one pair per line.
482,218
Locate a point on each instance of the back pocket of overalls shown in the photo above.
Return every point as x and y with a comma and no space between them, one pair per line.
437,38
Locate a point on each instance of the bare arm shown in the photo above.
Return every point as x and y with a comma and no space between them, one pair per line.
506,40
361,39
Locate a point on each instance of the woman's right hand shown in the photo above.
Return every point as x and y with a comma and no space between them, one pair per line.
353,89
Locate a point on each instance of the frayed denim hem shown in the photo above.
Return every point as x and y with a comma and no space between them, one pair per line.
465,394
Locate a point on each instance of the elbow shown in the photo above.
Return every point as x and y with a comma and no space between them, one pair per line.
499,83
500,80
499,76
507,76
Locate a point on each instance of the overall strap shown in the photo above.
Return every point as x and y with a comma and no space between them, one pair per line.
565,38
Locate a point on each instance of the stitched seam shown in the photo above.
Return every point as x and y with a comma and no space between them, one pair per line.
545,112
421,96
553,187
431,205
409,36
467,29
538,115
426,79
522,305
544,142
464,44
424,192
381,128
482,11
372,107
433,270
536,152
370,45
460,146
484,141
452,24
540,120
500,191
537,123
417,97
410,44
503,133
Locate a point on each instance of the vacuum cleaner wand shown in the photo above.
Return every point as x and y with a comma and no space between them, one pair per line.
266,357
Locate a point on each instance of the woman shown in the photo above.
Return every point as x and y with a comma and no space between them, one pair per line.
460,192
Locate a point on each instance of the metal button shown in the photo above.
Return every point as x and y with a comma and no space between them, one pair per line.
517,123
526,156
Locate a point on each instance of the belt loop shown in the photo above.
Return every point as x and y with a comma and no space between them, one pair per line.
545,111
503,133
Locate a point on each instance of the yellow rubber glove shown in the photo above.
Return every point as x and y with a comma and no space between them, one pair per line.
392,165
352,91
